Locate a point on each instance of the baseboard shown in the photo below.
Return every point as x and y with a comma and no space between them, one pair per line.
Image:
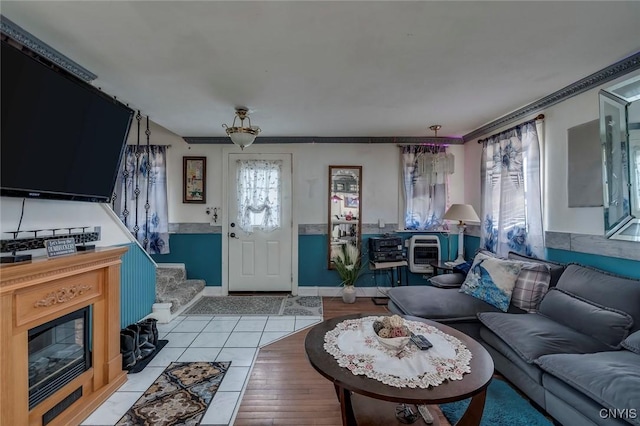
212,291
337,291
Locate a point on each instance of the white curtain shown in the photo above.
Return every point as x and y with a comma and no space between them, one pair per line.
259,194
511,197
425,169
140,196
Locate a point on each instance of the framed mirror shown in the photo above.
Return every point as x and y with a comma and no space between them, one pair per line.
613,136
345,209
620,137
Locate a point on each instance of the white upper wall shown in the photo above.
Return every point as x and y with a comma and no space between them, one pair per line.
380,173
47,214
381,183
559,118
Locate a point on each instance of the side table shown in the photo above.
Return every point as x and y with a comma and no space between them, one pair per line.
396,279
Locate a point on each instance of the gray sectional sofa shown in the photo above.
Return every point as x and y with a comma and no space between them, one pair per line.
577,356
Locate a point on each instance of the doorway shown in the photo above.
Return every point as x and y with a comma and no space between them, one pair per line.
259,226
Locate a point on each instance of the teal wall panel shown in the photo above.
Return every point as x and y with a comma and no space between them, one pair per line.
628,268
312,262
137,285
200,253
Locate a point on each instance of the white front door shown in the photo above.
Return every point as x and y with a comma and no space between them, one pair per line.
259,260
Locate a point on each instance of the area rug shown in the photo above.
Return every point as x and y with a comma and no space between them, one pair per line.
503,407
180,396
257,305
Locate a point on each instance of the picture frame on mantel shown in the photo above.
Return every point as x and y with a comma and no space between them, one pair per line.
194,180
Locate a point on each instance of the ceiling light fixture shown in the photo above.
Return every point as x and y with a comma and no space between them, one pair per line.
435,128
242,136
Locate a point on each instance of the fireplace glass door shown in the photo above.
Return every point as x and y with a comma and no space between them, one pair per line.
58,353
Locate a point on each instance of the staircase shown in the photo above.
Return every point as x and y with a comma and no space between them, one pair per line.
172,286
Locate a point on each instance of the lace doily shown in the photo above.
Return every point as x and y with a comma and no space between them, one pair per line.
355,346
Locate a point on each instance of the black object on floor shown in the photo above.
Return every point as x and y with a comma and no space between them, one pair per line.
141,364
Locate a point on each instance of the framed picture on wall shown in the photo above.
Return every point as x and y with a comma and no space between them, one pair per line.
351,202
194,180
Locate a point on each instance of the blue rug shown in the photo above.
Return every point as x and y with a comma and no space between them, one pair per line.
503,407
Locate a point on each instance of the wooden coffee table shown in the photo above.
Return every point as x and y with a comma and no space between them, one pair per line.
365,401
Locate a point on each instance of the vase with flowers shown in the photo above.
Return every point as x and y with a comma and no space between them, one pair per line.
350,266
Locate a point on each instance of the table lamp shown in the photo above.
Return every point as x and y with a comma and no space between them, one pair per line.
462,213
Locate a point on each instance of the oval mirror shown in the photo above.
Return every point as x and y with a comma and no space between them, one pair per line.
345,209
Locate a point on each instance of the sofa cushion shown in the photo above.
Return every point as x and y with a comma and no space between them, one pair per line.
453,280
495,343
492,280
439,304
632,343
608,325
534,335
604,289
531,285
555,269
572,407
610,378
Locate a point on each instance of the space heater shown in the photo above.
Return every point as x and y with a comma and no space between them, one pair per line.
423,249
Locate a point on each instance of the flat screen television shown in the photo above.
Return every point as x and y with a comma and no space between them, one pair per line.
61,137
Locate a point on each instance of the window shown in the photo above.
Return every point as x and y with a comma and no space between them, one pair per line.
425,170
511,200
259,194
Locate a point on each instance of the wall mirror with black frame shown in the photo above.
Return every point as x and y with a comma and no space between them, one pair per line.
620,139
345,209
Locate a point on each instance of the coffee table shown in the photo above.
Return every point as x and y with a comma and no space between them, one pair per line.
365,401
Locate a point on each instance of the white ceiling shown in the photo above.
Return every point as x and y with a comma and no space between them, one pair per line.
313,68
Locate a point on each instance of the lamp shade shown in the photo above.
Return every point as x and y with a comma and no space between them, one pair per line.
461,212
242,139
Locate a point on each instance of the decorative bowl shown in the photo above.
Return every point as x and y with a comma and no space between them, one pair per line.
393,343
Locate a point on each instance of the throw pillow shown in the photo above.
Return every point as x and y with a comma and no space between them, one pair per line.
531,286
491,280
632,343
608,325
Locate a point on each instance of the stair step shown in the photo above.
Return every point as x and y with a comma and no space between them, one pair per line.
172,285
168,274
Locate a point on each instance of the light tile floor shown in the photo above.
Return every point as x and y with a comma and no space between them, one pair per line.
205,338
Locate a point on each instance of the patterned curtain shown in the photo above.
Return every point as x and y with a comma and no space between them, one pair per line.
259,194
140,198
424,176
511,199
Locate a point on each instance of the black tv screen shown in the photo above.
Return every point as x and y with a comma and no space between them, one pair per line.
61,137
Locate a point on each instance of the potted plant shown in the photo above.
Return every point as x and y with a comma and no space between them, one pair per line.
349,265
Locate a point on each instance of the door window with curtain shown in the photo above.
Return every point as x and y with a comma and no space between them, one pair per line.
511,198
425,171
259,194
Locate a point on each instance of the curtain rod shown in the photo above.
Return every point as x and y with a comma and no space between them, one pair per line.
539,117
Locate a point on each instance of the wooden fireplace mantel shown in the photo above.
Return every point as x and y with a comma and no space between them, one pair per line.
37,292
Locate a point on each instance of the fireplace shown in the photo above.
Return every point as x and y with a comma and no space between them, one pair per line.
59,352
59,337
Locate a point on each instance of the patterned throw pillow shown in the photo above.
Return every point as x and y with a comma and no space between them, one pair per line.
492,280
531,286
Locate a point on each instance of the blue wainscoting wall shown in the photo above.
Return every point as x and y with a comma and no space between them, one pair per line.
625,267
137,285
312,262
202,256
200,253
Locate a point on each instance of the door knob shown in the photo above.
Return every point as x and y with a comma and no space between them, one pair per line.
233,235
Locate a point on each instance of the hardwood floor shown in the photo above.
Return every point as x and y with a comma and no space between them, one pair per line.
285,390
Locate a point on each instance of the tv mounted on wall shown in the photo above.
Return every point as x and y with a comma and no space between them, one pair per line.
61,137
